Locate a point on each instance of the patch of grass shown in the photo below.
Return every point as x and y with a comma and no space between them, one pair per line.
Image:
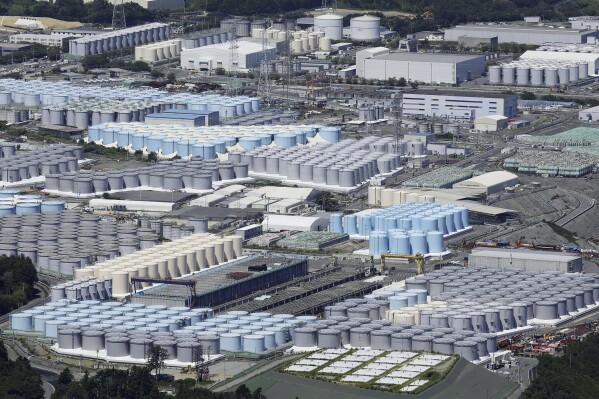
567,234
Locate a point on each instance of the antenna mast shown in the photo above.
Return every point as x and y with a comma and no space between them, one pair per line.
287,70
118,15
398,113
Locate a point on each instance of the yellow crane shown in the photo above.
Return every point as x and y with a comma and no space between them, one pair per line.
418,258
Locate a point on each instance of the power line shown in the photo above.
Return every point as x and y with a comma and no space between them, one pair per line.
264,85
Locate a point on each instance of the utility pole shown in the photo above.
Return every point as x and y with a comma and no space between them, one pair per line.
264,87
398,114
234,57
287,66
118,15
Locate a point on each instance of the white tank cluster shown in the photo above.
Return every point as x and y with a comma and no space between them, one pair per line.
361,323
304,42
159,51
119,39
407,228
380,196
193,175
60,242
13,203
493,300
330,24
344,165
85,112
205,142
25,165
365,28
87,288
206,38
168,260
531,72
173,231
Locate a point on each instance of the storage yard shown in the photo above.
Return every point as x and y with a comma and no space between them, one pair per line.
287,201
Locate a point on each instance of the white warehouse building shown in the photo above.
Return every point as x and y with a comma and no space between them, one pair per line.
458,105
487,183
534,35
380,63
215,56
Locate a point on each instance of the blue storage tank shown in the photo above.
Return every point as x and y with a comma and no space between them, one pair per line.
250,143
398,302
124,138
93,133
428,224
6,210
416,222
309,132
399,243
449,222
464,213
184,148
169,145
418,242
255,105
300,137
204,150
405,224
138,140
332,134
8,193
52,206
364,225
154,143
265,139
25,208
336,223
350,225
442,226
219,146
285,140
434,240
229,141
457,220
378,243
109,135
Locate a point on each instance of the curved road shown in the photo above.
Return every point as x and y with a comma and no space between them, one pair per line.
585,205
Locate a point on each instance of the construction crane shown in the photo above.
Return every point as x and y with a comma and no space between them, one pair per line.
418,257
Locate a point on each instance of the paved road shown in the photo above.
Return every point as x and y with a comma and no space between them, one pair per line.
586,204
522,374
48,388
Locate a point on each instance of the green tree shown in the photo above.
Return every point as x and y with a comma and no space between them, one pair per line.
156,74
220,71
402,82
152,157
243,392
18,380
527,95
156,358
65,377
171,77
140,66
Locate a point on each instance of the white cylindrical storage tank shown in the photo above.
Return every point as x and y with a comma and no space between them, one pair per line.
563,74
536,78
522,73
583,70
330,24
573,74
365,28
551,77
253,344
509,74
494,74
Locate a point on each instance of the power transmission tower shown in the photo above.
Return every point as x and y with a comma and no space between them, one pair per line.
234,56
287,67
398,114
264,86
118,15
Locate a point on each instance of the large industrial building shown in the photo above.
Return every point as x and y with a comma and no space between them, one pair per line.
488,183
208,58
467,106
534,35
584,22
153,4
574,53
531,261
380,63
46,40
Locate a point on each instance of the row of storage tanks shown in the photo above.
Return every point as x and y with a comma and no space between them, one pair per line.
86,112
24,165
381,196
169,260
35,93
26,204
205,38
159,51
439,128
172,230
206,142
347,163
195,174
116,328
533,73
119,39
407,228
62,242
244,27
360,322
491,300
83,289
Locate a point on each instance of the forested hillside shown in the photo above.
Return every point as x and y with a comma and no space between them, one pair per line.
572,375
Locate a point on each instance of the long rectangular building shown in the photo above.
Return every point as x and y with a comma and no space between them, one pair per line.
534,35
532,261
455,105
427,68
250,54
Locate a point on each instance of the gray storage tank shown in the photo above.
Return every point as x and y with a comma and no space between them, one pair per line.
466,349
69,338
117,346
92,340
380,339
329,338
443,345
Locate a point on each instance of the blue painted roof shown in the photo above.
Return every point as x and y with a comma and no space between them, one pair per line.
174,116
